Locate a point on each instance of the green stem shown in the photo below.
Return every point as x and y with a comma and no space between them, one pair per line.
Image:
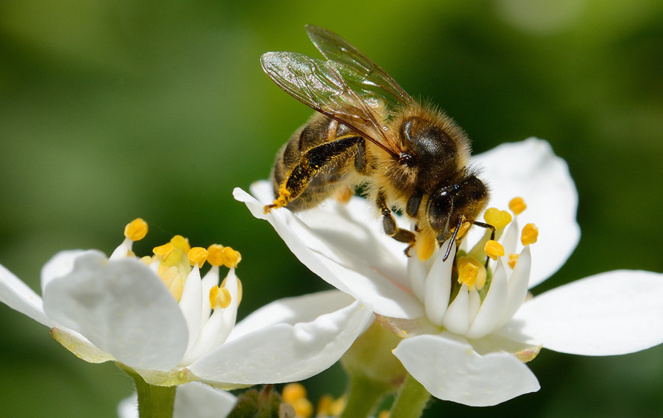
153,401
411,400
363,396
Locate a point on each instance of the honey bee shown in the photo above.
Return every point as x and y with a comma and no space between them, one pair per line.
369,132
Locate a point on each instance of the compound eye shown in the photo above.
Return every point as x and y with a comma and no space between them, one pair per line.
440,208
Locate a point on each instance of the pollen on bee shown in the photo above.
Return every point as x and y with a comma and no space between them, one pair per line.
344,194
425,246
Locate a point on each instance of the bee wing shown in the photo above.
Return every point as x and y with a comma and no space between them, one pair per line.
335,48
332,89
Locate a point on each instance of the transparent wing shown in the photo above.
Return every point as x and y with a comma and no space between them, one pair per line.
372,77
325,86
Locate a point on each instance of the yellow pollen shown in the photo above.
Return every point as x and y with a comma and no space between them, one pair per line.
517,205
425,246
493,249
471,272
530,234
197,255
383,414
219,297
215,255
303,408
293,391
513,259
463,230
136,230
231,258
164,250
324,405
173,281
497,218
181,243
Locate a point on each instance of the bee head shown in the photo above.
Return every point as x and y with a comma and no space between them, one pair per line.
452,204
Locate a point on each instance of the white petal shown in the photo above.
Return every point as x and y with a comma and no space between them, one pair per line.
80,346
60,265
437,288
607,314
344,267
17,295
451,370
194,400
492,307
517,288
191,304
531,170
291,311
122,308
198,400
457,318
283,352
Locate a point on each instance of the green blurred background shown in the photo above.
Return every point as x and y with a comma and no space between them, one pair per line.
111,110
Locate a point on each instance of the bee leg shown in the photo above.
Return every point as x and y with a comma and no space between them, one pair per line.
390,227
311,163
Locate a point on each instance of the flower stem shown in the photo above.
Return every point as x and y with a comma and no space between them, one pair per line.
153,401
411,400
363,396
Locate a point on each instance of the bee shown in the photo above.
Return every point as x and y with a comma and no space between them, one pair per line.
369,132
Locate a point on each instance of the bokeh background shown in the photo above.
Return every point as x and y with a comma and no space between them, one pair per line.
111,110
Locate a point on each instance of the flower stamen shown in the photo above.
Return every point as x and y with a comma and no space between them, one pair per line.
197,256
493,249
497,218
513,259
136,230
530,234
471,272
295,395
219,297
517,205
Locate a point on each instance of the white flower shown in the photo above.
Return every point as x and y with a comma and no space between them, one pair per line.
158,317
465,343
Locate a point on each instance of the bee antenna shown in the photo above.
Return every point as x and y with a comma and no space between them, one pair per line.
453,238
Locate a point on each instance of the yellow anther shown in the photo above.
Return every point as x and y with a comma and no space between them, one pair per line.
219,297
197,255
293,391
324,405
136,230
530,234
164,250
463,230
471,272
517,205
303,408
215,255
231,258
383,414
425,246
513,259
497,218
173,281
493,249
181,243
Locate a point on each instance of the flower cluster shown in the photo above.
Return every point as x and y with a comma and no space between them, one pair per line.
467,325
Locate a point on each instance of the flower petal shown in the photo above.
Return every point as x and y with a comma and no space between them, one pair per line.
80,346
345,267
283,352
451,370
17,295
531,170
122,308
612,313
